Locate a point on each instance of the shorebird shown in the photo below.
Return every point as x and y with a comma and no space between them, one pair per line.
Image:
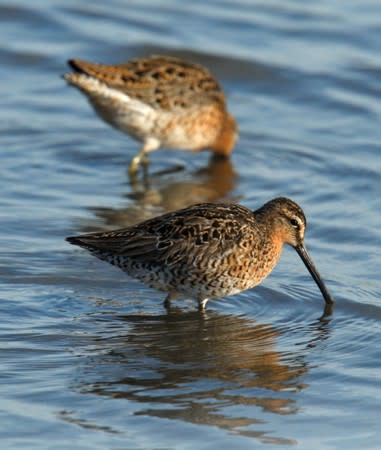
161,101
207,250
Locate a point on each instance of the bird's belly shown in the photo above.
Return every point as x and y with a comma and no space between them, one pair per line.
128,117
191,283
179,129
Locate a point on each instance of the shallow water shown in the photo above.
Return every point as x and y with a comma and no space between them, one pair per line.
90,359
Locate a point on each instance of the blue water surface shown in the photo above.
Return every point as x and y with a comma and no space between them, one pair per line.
89,358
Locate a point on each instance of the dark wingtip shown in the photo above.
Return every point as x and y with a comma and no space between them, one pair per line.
74,64
73,240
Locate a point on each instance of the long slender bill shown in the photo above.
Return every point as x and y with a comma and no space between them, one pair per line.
302,251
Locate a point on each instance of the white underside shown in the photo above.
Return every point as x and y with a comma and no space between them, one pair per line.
133,116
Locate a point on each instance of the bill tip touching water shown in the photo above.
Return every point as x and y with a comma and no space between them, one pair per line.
207,250
161,101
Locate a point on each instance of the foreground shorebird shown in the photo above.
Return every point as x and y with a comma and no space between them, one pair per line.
207,250
161,101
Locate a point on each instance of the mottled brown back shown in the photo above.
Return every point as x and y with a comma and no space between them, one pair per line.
159,81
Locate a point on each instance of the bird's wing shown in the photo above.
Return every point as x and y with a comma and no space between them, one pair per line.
202,231
158,81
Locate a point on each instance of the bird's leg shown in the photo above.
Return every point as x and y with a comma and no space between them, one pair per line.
145,160
201,304
171,296
141,157
135,162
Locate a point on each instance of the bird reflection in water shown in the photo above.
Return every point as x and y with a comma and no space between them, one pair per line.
198,368
162,192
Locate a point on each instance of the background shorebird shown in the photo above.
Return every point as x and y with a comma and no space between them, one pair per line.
161,101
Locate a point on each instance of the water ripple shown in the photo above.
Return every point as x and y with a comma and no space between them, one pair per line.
90,358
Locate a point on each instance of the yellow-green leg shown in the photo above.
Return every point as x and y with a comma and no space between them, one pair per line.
171,296
141,157
135,162
202,303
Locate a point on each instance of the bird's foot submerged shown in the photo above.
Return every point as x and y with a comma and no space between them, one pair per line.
174,295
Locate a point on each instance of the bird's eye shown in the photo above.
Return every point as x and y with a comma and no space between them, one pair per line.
294,222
